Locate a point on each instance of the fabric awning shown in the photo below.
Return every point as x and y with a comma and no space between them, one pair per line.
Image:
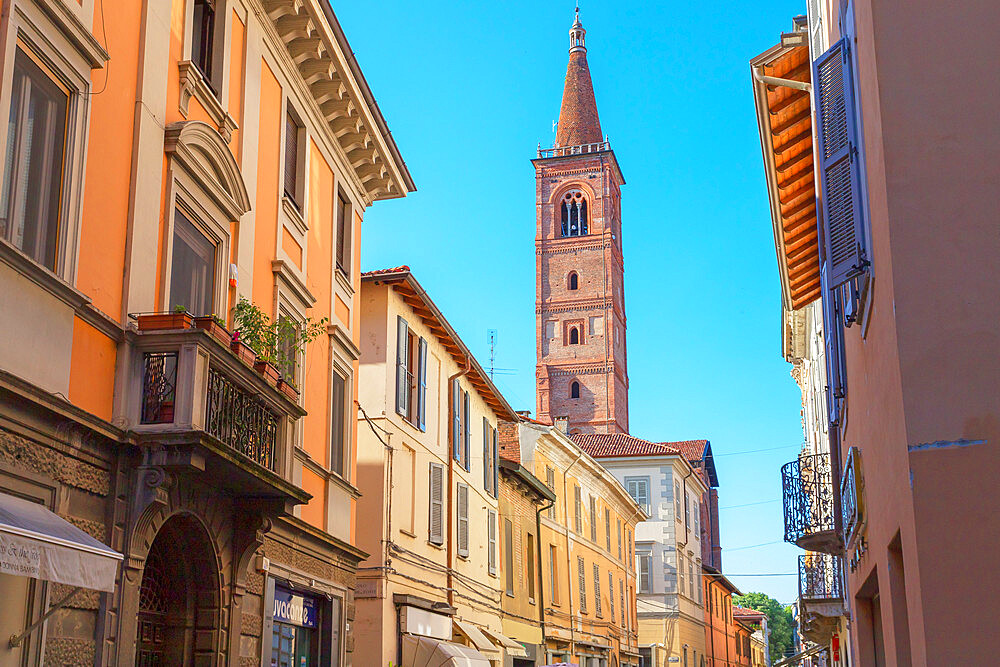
513,648
36,542
476,636
429,652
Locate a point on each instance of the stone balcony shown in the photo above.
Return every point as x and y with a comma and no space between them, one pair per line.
821,595
205,412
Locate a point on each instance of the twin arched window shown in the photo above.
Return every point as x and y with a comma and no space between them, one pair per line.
574,214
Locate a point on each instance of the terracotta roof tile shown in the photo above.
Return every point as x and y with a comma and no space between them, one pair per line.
743,611
379,272
604,445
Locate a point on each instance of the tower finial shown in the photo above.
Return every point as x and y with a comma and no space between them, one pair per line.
577,35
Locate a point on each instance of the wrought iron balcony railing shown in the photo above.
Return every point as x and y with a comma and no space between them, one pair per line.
581,149
820,577
810,516
191,391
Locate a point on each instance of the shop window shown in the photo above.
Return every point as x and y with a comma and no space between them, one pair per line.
192,268
304,628
31,198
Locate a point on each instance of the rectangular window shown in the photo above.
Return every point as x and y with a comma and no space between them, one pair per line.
435,532
344,224
508,555
554,573
639,490
697,516
420,418
403,377
597,589
462,512
529,554
292,129
645,565
578,506
677,500
550,481
456,420
593,519
691,581
31,198
466,431
338,426
681,571
203,37
607,527
687,510
581,571
192,268
491,528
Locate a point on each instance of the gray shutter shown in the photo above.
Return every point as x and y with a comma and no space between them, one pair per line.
582,576
436,493
291,160
833,343
840,174
611,595
597,589
487,458
496,464
467,432
508,555
619,539
422,384
492,528
550,481
402,382
463,520
593,519
607,527
578,503
456,419
621,598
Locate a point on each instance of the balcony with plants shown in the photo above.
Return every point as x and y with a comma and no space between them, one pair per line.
810,504
821,595
216,401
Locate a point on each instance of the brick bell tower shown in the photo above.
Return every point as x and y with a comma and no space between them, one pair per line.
579,298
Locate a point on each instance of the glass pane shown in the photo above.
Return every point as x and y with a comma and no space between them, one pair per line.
192,268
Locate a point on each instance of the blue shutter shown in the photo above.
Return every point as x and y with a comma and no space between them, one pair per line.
456,420
833,350
402,382
840,175
422,384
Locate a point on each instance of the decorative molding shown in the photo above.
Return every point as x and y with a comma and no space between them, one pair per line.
193,83
203,153
295,215
289,276
342,338
78,34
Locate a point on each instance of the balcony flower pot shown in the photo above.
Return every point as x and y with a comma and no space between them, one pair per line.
268,370
288,389
243,351
211,325
164,321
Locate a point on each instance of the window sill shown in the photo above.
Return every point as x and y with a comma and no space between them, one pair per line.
439,547
291,210
408,533
328,475
344,280
194,84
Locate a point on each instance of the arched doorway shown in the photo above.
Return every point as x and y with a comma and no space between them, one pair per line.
179,597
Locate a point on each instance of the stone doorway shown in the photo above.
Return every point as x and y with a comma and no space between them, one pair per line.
179,614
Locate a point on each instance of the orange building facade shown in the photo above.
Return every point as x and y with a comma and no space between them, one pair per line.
721,633
184,156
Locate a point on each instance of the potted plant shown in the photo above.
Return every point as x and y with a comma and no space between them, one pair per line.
178,319
286,387
245,353
268,370
216,326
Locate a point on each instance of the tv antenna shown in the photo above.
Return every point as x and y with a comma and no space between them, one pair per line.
492,335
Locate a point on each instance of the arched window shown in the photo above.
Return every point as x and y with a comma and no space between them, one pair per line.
574,390
574,214
574,336
573,281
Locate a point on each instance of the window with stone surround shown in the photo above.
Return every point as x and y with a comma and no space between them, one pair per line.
574,214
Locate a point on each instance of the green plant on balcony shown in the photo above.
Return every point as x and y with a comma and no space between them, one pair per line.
279,342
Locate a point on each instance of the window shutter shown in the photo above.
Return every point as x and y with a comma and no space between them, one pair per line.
463,520
436,523
456,419
550,481
578,503
496,464
840,174
487,458
291,158
508,555
582,576
607,527
597,589
402,351
492,528
611,595
621,598
832,342
619,539
422,384
467,432
593,519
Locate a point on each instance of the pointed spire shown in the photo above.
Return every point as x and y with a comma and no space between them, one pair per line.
578,121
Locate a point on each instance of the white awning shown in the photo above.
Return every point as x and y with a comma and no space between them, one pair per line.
35,542
476,636
513,648
428,652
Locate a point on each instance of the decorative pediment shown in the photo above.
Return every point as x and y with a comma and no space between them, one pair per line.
200,149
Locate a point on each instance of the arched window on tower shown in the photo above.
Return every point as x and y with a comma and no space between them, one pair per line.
574,336
574,389
574,281
574,214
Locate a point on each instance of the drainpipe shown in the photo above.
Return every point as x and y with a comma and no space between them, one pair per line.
783,83
569,561
541,573
452,413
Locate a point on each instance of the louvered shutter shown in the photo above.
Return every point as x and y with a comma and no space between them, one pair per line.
291,159
456,419
611,595
487,458
593,519
463,520
619,539
402,362
550,481
492,528
840,174
578,504
436,492
467,432
597,589
607,527
422,384
582,577
508,555
496,464
832,339
621,598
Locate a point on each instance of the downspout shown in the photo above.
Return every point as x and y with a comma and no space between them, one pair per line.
541,573
569,561
452,413
783,83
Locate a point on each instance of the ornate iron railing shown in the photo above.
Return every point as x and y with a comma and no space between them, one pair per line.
241,421
820,577
159,382
807,486
581,149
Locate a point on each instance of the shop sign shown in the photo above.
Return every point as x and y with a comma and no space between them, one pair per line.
295,609
19,557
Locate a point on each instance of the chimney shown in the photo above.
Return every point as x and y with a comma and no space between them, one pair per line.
524,413
562,423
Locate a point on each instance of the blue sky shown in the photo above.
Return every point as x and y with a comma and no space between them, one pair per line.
470,89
